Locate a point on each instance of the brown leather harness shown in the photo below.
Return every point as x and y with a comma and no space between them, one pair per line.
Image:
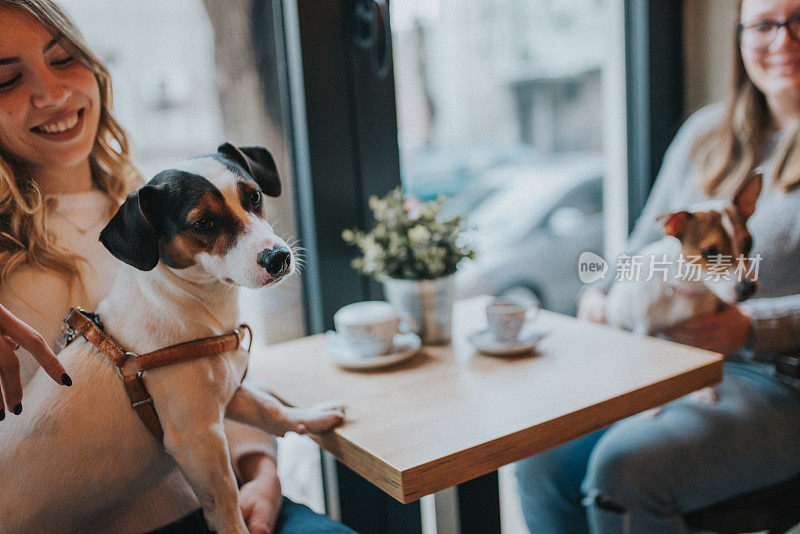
83,323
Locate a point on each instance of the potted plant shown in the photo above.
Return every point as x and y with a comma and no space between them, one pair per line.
414,252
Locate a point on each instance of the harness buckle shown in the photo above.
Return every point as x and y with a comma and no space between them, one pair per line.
149,399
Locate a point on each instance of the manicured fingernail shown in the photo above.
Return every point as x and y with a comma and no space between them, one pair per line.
2,414
18,409
66,380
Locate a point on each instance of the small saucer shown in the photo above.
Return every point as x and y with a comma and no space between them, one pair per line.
485,342
405,346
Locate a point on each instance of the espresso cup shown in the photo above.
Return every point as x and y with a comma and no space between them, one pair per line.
369,327
506,317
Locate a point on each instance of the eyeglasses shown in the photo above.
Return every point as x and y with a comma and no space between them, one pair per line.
761,34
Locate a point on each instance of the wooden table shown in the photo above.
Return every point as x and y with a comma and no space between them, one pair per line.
449,414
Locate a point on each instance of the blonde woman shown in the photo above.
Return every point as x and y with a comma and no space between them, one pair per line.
643,474
64,169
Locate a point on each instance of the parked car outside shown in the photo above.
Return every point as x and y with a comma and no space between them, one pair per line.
530,231
450,171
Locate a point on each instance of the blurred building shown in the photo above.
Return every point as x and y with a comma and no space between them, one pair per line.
161,57
470,72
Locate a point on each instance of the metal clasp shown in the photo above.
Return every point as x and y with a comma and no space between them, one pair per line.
149,399
129,356
238,332
139,375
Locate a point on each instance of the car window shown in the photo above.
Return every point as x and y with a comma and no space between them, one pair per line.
516,204
467,201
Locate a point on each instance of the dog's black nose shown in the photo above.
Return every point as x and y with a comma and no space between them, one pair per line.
276,261
745,289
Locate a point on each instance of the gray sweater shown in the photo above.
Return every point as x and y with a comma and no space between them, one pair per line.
775,227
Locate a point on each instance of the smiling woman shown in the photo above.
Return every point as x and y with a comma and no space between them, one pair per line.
769,56
633,476
56,125
50,91
763,98
59,110
65,168
48,95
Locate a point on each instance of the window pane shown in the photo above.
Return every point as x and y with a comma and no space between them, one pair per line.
500,109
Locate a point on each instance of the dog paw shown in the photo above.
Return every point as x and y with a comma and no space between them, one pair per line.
320,417
705,396
652,413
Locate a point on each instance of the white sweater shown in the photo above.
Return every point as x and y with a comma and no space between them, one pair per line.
42,299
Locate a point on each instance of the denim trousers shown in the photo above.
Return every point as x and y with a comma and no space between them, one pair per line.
642,474
294,518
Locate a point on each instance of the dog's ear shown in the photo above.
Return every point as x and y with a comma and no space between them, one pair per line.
258,162
129,236
745,199
674,223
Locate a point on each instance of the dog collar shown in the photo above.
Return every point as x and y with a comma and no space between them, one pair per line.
88,325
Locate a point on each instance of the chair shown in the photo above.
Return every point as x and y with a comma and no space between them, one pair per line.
775,509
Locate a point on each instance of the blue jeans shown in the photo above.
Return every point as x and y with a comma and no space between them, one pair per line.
293,519
642,474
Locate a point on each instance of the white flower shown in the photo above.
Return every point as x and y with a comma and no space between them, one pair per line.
419,235
408,240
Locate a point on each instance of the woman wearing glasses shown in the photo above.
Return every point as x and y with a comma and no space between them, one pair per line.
643,474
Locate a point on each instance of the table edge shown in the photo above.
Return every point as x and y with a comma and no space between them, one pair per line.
441,474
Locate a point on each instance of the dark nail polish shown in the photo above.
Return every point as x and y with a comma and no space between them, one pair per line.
2,414
18,409
66,380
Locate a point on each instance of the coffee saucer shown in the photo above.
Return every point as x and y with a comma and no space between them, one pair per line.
485,342
405,346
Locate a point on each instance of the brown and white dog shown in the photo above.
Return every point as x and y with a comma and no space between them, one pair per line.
708,232
189,237
694,280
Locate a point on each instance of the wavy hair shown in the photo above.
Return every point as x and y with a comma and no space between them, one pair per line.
25,237
728,153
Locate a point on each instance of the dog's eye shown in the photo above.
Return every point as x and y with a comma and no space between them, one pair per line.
203,225
255,199
710,252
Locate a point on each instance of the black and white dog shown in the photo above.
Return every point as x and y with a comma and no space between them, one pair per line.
189,237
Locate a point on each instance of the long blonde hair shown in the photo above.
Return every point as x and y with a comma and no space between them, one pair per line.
727,154
25,239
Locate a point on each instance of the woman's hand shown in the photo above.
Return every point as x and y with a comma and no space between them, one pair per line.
592,306
725,331
15,334
260,495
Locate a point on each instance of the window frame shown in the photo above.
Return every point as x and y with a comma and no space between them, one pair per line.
654,66
345,150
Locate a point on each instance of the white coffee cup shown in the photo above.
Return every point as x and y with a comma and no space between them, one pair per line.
369,327
506,316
